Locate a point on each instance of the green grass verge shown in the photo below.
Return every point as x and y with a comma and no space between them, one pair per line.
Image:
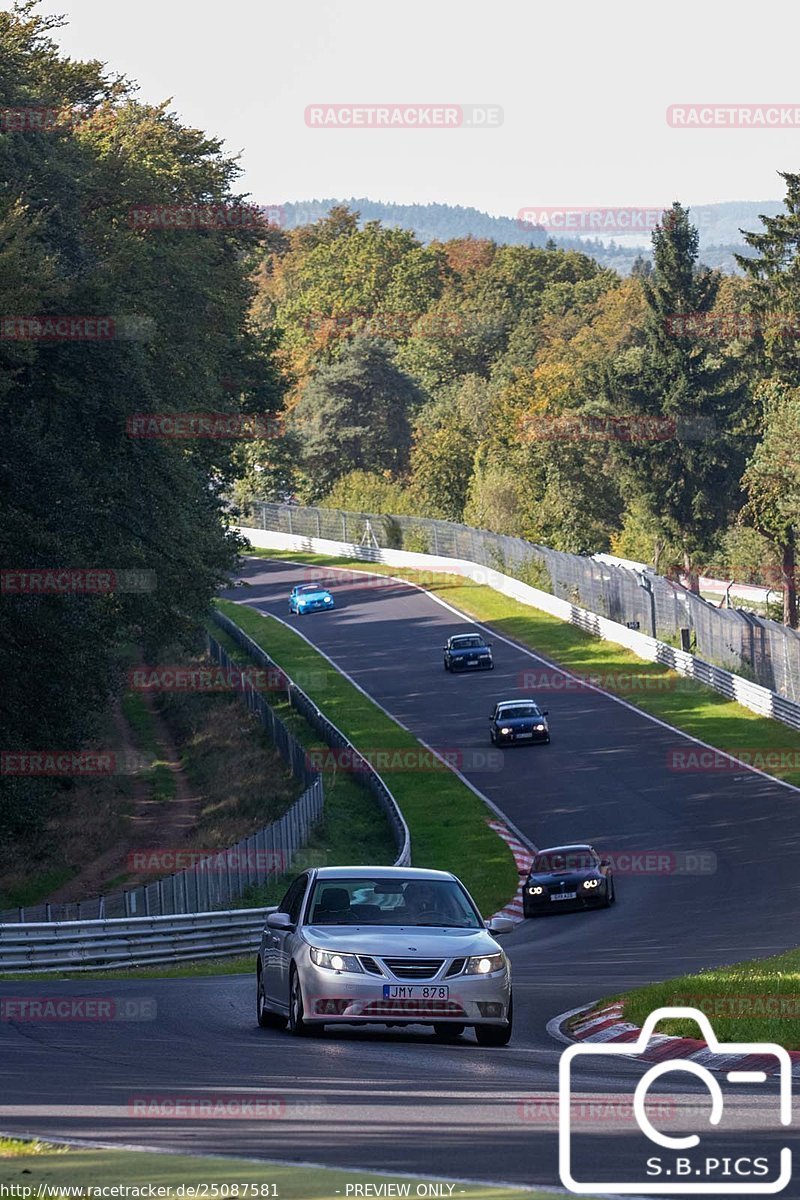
655,689
757,1001
178,970
353,829
447,821
48,1166
140,719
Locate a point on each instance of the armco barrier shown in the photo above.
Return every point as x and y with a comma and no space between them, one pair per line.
128,941
751,695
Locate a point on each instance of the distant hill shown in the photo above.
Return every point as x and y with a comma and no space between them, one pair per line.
719,226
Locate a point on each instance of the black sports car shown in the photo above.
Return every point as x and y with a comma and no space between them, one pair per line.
468,652
567,877
512,721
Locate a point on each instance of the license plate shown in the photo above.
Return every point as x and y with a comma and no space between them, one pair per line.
473,662
520,736
564,896
417,991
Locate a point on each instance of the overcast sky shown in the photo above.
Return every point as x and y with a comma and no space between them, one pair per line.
584,87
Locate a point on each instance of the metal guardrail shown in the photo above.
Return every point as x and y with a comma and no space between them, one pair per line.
751,695
762,649
132,941
363,770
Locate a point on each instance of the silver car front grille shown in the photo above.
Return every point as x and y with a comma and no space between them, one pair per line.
414,968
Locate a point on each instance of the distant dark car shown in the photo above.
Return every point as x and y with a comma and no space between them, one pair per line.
309,597
513,721
567,877
468,652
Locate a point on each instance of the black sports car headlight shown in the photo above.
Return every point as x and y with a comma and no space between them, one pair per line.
592,883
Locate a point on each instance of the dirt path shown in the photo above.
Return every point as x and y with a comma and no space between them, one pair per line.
152,824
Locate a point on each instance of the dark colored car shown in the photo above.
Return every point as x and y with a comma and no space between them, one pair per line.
468,652
513,721
567,877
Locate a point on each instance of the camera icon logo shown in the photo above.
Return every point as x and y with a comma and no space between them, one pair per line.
685,1175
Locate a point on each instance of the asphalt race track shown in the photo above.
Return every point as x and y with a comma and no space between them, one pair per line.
393,1100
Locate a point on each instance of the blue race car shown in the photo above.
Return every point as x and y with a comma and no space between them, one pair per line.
309,597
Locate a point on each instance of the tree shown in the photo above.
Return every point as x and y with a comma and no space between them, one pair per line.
677,403
355,414
447,434
772,480
78,491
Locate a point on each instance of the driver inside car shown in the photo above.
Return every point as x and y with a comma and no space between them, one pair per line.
421,899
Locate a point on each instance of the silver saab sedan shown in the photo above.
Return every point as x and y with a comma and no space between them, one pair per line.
385,946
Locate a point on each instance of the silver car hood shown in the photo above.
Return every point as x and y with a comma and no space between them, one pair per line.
401,940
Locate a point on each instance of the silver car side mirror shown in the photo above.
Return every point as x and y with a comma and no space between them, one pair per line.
279,920
500,925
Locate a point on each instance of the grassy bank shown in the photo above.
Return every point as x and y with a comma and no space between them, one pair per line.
447,821
681,702
33,1165
756,1001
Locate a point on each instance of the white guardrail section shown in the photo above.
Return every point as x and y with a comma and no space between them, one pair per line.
751,695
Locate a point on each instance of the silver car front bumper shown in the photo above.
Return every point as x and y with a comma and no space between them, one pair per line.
341,996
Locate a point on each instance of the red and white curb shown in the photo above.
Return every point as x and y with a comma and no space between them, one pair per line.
523,857
606,1025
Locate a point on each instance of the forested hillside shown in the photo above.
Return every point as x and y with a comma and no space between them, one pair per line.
719,225
529,391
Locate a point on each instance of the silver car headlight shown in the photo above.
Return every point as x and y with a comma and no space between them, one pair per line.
335,962
591,883
485,964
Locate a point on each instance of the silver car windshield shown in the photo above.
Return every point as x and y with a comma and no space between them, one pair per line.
370,900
